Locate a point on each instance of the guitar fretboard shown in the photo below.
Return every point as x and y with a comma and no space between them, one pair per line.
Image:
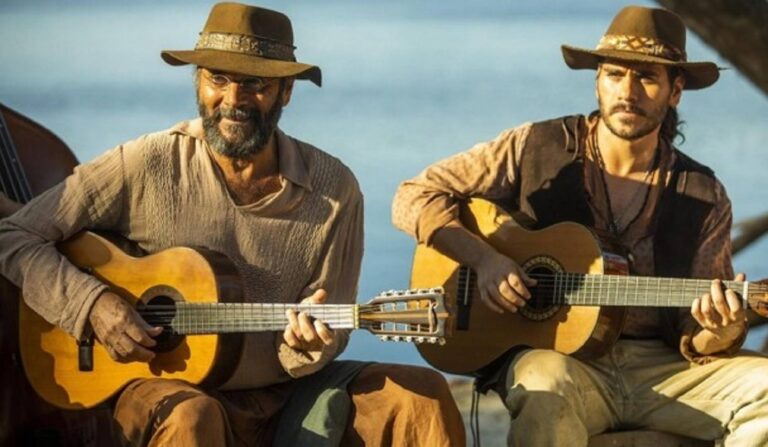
610,290
214,318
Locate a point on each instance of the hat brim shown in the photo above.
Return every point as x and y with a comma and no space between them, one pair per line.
244,64
697,75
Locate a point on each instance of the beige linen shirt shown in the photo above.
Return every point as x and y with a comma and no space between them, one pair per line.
164,190
490,170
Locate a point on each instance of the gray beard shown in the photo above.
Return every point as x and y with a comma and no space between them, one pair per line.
246,140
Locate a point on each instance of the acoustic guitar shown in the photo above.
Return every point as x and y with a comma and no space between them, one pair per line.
195,295
577,307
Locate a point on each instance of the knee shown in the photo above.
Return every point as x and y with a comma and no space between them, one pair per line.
541,370
410,384
196,413
418,381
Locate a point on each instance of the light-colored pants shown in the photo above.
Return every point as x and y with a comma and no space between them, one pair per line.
391,405
556,400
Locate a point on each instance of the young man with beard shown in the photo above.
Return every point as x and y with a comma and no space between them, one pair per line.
289,216
617,172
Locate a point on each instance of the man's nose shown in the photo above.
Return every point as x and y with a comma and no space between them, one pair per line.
235,95
629,87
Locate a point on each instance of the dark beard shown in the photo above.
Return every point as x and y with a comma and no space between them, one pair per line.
654,120
247,140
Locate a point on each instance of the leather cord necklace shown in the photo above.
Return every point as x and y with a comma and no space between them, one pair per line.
613,221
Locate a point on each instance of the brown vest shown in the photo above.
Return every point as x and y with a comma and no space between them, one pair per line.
551,190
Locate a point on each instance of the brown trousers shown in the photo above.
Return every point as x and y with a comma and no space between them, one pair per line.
391,405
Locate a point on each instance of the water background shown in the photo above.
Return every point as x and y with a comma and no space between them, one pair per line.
405,83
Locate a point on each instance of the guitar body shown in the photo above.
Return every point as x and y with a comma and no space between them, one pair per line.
51,357
477,335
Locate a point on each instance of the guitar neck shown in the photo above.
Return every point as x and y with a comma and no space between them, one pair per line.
609,290
216,318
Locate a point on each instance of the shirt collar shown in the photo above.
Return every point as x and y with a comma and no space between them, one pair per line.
292,165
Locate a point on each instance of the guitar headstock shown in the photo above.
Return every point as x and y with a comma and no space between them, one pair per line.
416,316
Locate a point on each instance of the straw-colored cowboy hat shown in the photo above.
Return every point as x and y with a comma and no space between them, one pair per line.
247,40
639,34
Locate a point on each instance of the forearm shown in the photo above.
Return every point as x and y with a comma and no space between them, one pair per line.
461,245
53,287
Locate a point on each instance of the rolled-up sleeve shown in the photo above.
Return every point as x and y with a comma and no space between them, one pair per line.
52,286
429,201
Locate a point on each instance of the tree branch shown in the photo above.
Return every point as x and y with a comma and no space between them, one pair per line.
734,28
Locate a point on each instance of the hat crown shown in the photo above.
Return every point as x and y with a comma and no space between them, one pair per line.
645,35
246,20
653,23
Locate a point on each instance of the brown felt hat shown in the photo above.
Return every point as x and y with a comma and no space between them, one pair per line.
248,40
640,34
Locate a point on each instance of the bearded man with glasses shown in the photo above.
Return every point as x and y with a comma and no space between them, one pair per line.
290,218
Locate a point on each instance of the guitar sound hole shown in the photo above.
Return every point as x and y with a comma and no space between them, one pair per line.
542,304
160,311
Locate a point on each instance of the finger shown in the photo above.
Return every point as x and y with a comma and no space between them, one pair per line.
113,354
325,334
506,297
120,351
518,286
735,307
293,323
741,277
290,338
153,331
141,334
530,282
707,311
307,328
137,352
485,297
696,312
720,304
318,297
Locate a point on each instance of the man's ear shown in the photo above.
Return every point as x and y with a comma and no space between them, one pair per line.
287,90
677,90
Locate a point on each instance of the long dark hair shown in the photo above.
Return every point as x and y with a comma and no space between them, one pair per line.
672,125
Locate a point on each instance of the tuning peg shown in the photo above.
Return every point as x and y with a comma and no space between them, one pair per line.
419,339
397,338
409,339
384,337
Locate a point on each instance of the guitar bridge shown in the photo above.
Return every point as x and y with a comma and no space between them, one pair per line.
85,354
466,285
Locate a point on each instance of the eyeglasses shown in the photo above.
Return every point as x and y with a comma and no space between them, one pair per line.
248,84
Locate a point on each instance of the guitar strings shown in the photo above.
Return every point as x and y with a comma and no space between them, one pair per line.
189,318
577,288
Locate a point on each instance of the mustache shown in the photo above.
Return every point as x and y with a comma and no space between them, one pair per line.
235,113
626,107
